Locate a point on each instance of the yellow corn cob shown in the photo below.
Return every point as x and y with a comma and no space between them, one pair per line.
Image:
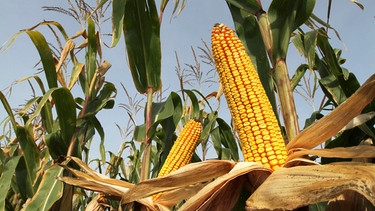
183,149
254,119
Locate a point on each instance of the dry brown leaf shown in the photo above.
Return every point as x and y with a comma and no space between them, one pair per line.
366,142
91,184
223,192
79,33
69,46
360,151
83,44
195,172
92,175
299,162
332,123
290,188
94,205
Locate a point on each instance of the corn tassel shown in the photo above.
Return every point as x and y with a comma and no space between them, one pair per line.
256,124
183,149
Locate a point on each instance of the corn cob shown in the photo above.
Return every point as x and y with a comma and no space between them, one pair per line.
183,149
256,124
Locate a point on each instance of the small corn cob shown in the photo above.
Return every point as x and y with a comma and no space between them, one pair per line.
255,122
183,149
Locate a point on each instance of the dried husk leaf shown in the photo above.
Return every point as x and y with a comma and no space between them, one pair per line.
223,192
290,188
332,123
360,151
299,162
92,184
93,176
366,142
185,176
94,205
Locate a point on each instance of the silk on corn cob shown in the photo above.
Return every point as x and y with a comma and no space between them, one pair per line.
183,149
255,122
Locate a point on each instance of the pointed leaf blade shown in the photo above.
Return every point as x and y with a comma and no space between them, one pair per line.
142,37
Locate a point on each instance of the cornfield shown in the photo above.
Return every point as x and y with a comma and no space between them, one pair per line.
262,159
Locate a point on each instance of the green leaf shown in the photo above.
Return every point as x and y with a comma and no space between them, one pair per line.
227,138
6,178
103,100
142,37
46,114
118,11
195,109
30,152
285,16
45,56
92,48
139,133
66,112
49,191
11,40
208,124
251,6
248,31
313,118
329,57
216,141
337,82
171,108
54,23
224,141
300,72
306,44
335,92
100,130
56,145
24,179
8,109
318,207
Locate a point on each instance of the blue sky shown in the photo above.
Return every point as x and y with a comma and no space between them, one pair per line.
356,28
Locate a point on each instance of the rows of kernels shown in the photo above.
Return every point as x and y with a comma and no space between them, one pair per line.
254,119
183,148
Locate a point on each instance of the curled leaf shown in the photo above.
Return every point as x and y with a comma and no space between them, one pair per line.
224,191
